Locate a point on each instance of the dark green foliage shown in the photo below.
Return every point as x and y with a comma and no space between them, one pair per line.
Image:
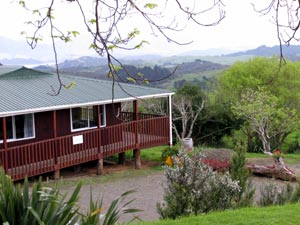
238,170
156,73
292,143
240,173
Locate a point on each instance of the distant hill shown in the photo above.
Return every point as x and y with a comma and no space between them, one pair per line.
198,66
96,68
291,52
85,61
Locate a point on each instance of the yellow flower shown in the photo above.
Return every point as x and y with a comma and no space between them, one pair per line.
169,160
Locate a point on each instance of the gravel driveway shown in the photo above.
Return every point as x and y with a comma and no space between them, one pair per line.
149,191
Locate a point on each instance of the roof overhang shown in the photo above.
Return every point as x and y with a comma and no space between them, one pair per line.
68,106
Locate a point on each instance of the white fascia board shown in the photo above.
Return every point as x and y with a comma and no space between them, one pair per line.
59,107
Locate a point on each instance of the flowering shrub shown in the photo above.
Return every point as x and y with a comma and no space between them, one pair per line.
218,165
217,159
193,187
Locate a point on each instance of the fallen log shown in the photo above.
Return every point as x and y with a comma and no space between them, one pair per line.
277,171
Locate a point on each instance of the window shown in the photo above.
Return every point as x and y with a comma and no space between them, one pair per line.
83,118
18,127
102,116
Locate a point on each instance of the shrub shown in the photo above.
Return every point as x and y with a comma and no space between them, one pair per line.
296,194
217,165
240,173
272,194
193,187
217,159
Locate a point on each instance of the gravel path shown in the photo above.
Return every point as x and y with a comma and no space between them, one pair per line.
149,191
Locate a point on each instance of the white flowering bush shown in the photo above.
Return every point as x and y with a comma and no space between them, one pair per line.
192,187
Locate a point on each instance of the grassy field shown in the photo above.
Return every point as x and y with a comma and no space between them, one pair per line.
275,215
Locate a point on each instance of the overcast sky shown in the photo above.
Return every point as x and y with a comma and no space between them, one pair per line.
242,29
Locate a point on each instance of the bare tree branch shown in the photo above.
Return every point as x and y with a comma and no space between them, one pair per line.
106,27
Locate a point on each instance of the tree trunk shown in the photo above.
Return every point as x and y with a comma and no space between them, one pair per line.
278,170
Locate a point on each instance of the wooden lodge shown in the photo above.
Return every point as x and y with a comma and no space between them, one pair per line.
42,131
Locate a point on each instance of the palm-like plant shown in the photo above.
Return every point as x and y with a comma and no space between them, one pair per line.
117,208
46,206
41,205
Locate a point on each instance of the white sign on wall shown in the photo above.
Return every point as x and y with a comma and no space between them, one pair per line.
77,139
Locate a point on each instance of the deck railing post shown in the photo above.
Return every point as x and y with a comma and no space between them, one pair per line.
56,166
5,145
137,150
170,119
100,170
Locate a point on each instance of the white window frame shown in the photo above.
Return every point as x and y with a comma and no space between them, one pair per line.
83,128
103,110
14,130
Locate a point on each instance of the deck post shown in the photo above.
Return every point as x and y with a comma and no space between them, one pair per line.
170,119
122,158
56,166
136,151
136,119
56,173
5,145
137,158
100,170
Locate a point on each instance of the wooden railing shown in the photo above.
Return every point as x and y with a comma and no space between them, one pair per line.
129,116
49,155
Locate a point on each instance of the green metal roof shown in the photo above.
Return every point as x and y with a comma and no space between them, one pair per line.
24,90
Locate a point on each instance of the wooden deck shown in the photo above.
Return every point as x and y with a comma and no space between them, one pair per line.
50,155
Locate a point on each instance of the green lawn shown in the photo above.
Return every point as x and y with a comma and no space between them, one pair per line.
275,215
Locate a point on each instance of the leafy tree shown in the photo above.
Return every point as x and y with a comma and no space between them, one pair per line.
254,74
266,116
260,71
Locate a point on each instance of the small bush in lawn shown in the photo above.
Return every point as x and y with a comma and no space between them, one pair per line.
272,194
296,194
193,187
240,173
